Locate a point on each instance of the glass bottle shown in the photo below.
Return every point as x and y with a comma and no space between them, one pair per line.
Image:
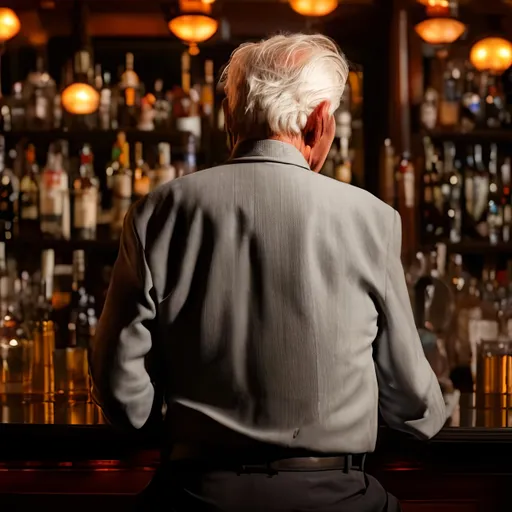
130,94
9,191
43,381
106,107
54,194
29,194
18,110
449,106
85,207
494,213
141,180
122,186
165,171
162,108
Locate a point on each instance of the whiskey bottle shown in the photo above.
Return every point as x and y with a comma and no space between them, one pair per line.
122,186
29,194
8,196
85,204
188,119
162,108
141,180
130,94
43,380
105,113
449,106
164,172
54,194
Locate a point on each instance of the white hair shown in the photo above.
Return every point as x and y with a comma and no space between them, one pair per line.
273,86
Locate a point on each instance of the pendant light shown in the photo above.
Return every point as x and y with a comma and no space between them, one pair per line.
440,27
314,7
194,24
9,24
492,54
80,97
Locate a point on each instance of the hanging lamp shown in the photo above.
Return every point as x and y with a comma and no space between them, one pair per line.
314,7
194,24
440,27
80,97
492,54
9,24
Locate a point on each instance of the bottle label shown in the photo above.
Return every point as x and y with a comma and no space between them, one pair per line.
163,175
122,186
41,107
129,95
86,208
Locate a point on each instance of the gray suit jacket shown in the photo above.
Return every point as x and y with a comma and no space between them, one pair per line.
270,299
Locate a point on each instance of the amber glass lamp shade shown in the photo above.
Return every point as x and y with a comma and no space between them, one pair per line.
440,30
492,54
80,98
314,7
193,28
9,24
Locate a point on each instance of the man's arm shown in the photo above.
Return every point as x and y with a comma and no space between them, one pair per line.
409,395
121,383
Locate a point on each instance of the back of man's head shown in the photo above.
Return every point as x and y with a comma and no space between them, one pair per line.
273,86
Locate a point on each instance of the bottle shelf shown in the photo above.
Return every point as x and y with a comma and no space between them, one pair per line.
502,136
475,247
101,245
100,137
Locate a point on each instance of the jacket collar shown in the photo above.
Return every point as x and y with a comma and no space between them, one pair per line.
268,150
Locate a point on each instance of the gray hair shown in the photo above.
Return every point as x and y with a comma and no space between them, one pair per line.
273,86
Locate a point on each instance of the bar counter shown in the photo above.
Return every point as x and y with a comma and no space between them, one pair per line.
63,454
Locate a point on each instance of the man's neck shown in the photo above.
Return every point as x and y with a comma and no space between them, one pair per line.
296,142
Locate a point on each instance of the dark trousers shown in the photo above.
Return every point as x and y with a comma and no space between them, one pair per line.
180,488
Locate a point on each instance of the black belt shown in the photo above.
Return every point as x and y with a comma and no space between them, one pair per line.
265,460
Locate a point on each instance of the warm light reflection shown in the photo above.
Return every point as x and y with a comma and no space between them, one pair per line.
193,28
9,24
80,98
492,54
314,7
440,30
435,3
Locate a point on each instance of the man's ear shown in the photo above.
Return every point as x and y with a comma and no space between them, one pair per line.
317,123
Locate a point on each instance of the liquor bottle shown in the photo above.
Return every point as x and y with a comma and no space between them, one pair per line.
85,189
9,190
105,113
208,94
17,104
54,194
494,105
81,324
481,192
141,180
164,171
122,186
431,215
29,194
188,119
130,94
162,107
453,189
471,102
506,171
43,378
343,168
429,109
495,212
41,90
449,106
147,115
16,346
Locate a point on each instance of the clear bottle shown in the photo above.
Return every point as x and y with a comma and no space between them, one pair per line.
43,379
122,186
162,108
40,89
54,194
105,109
495,210
188,119
130,97
9,192
82,325
18,107
85,207
29,194
165,171
141,180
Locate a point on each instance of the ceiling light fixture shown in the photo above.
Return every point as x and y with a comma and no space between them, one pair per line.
314,7
440,27
492,54
9,24
194,25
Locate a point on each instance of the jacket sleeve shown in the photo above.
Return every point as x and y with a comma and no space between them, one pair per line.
410,398
123,345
